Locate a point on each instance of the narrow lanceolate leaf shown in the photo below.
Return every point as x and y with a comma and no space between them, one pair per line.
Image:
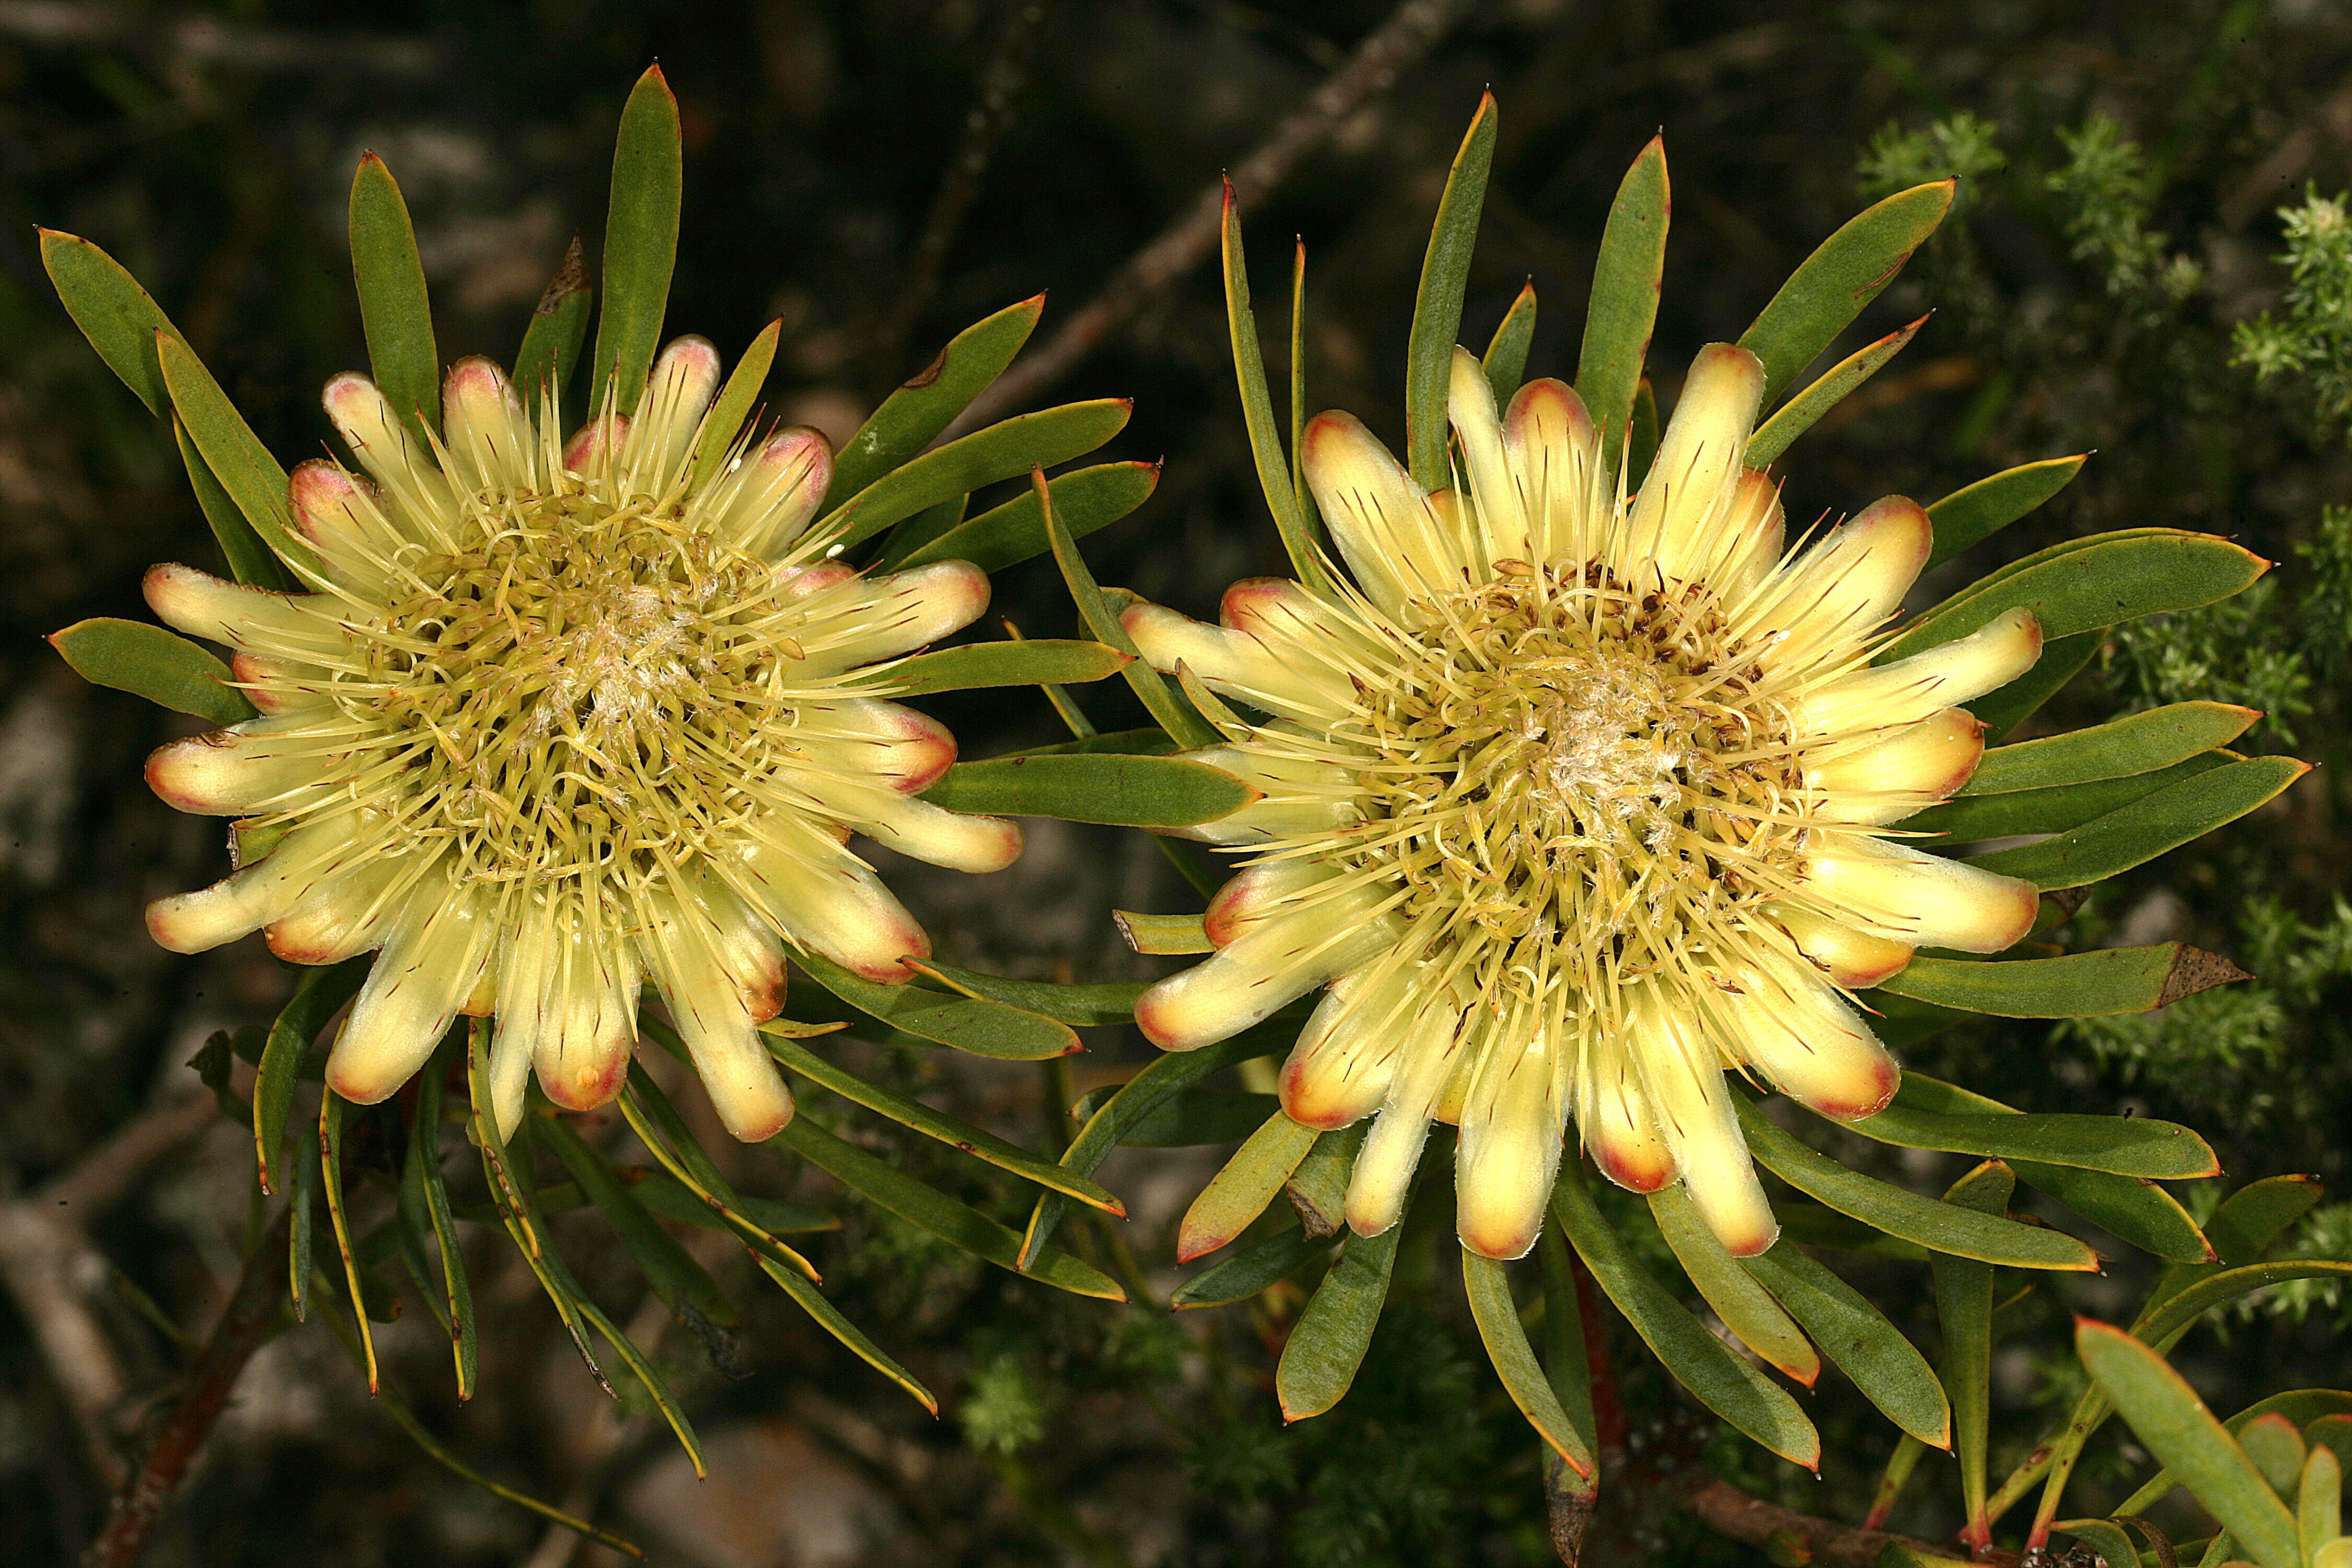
2078,986
1745,1307
1624,304
934,1210
1085,499
1161,935
1505,359
113,312
971,1024
1976,818
2319,1502
1437,308
685,1287
330,1177
1238,1193
1488,1286
1566,1362
2328,1408
249,561
910,416
1964,1313
1859,1341
2002,711
2092,582
731,413
1833,285
1125,792
1132,1104
300,1204
1723,1382
2139,744
920,1118
640,242
550,344
1318,1187
1003,450
1274,468
1939,1228
1164,701
1256,1268
2246,1223
1189,1118
2163,1321
424,1169
2168,1419
148,661
318,997
393,309
664,1134
1977,511
1801,413
1083,1006
2148,828
829,1317
1328,1343
254,480
1030,662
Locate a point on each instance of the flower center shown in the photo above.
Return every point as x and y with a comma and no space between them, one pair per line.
589,686
1565,752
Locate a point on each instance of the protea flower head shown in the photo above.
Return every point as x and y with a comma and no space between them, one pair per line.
1579,800
559,718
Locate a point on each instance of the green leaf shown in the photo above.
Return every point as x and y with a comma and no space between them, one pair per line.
550,344
2105,1537
1978,818
1318,1187
2147,828
422,1176
1505,359
1745,1306
148,661
1239,1193
1939,1228
1256,1268
666,1136
1801,413
2005,708
812,1300
249,559
1125,792
112,310
1000,451
968,1024
2257,1214
927,405
1086,499
1106,1128
1625,303
1189,1118
1566,1364
2162,1321
1964,1313
330,1177
723,428
1488,1286
671,1199
685,1287
1084,1007
253,479
1977,511
640,242
2134,1209
1163,935
1029,662
2088,583
1723,1382
2078,986
1858,1339
2174,1425
299,1208
2276,1449
393,309
2302,1406
1175,715
1328,1343
944,1217
319,997
2139,744
1437,307
1817,1227
1273,470
913,1113
1829,288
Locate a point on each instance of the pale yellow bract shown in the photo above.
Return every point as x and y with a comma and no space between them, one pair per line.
556,719
1577,800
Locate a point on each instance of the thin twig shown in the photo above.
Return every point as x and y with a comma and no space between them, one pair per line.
50,1267
1411,30
243,1328
1800,1538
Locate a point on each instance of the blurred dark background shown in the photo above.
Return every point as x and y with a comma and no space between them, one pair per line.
2086,292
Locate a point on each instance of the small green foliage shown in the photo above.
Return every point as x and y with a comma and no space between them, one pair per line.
1001,1413
2242,650
2104,191
2326,1232
2326,569
1958,144
2316,337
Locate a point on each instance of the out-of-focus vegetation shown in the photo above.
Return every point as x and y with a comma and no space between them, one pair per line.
2149,261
